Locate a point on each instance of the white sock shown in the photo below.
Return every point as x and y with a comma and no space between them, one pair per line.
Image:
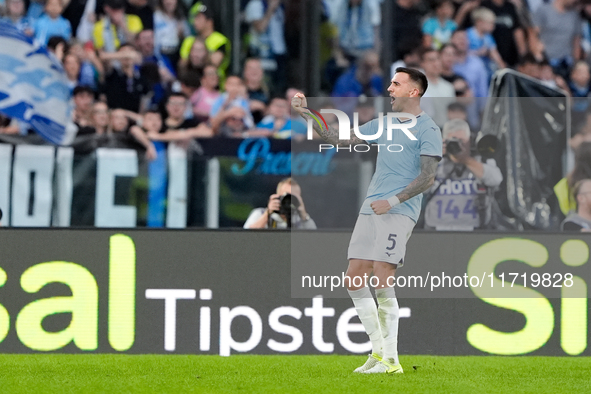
368,314
389,314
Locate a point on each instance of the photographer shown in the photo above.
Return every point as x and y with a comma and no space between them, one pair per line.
461,196
285,209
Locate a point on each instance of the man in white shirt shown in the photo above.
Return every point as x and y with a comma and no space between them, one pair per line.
440,93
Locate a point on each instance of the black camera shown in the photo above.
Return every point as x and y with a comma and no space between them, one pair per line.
486,145
453,146
287,204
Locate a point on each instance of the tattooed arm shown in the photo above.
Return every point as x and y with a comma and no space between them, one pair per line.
421,183
330,135
424,181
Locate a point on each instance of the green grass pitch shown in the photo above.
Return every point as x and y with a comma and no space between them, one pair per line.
89,373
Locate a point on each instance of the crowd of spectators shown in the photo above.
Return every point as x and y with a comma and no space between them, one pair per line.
459,45
133,54
159,70
465,41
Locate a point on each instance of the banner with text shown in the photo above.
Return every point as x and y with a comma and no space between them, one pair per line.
228,292
105,181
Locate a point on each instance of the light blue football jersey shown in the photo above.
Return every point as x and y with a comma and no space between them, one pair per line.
395,170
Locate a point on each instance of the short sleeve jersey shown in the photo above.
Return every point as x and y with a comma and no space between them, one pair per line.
557,30
477,41
441,34
398,162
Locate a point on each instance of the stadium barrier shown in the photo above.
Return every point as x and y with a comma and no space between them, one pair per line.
229,292
106,182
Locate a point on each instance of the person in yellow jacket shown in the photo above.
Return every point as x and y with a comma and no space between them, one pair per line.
218,45
115,28
566,200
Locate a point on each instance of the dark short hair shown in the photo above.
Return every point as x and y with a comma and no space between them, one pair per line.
191,78
250,59
458,31
460,78
54,41
439,3
137,36
426,50
153,111
528,58
115,4
127,44
456,107
408,46
544,62
175,94
444,46
417,77
277,96
150,73
232,75
83,89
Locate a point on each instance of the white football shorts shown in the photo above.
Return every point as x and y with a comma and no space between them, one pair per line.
381,238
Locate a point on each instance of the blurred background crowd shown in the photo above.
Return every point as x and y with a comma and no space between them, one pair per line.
180,70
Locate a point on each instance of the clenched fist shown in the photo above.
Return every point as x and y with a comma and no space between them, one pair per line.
299,102
380,207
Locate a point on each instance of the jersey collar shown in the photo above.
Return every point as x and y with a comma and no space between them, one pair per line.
408,120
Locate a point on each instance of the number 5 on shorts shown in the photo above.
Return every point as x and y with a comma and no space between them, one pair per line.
392,237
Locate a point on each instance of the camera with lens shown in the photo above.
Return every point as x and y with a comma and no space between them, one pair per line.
287,204
453,146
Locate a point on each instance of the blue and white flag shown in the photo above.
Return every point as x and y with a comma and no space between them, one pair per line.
34,87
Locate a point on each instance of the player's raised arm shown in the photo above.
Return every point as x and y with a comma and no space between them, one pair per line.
330,135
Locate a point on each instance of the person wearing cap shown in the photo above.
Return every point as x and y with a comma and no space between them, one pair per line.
217,44
115,28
